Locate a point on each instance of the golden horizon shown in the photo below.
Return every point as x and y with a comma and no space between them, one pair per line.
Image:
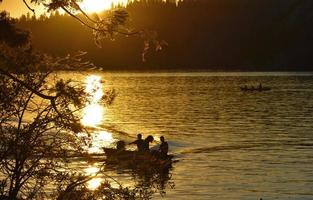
17,8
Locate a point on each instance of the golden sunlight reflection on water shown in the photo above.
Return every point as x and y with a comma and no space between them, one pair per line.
93,113
95,182
99,140
92,117
91,170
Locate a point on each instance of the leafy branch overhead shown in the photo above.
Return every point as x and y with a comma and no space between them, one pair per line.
40,122
39,116
21,63
113,23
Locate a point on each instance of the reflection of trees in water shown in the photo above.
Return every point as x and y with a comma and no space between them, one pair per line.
149,181
140,184
154,180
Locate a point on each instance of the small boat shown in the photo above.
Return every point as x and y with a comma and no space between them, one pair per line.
135,159
254,89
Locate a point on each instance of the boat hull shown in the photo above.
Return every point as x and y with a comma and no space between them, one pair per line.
134,159
255,89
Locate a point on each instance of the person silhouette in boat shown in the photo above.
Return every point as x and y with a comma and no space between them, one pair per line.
139,142
120,147
147,142
163,149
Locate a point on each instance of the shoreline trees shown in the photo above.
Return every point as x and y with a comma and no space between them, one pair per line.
209,35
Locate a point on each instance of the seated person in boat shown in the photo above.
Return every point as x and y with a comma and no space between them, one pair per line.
139,142
146,143
163,149
120,146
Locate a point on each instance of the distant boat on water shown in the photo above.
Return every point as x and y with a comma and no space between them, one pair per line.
258,88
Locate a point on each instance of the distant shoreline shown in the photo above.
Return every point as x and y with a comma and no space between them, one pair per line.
190,71
193,73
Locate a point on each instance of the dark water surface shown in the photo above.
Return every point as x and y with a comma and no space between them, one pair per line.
230,144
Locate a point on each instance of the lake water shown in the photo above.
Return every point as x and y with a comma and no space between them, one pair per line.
230,144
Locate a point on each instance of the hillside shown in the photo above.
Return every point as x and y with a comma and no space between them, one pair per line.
202,35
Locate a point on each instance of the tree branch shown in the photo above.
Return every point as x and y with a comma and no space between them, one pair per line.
83,12
29,8
96,29
6,73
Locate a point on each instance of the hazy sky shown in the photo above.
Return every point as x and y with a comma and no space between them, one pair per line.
16,8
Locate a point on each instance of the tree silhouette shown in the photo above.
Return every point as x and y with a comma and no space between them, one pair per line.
39,115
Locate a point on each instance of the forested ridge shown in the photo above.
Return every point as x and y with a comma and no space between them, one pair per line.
230,35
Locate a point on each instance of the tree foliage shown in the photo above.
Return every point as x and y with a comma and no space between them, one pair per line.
39,111
12,35
114,22
39,122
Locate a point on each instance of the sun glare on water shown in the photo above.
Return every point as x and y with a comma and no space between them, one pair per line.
99,140
93,113
95,182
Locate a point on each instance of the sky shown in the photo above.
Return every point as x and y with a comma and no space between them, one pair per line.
16,8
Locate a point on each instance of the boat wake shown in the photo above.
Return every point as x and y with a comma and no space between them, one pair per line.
218,148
